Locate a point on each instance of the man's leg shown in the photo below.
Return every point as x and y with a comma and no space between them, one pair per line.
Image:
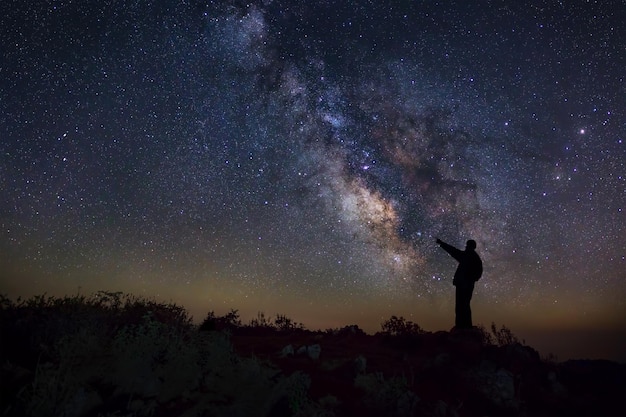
468,311
463,310
458,309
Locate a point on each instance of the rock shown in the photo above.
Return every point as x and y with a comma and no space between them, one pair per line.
502,389
314,351
557,388
519,358
360,363
443,409
407,403
497,385
287,351
472,334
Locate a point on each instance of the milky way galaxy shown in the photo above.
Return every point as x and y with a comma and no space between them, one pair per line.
302,157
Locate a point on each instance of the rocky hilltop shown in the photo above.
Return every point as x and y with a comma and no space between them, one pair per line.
115,355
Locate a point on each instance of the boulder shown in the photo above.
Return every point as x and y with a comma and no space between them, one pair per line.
556,387
497,385
314,351
360,363
518,358
287,351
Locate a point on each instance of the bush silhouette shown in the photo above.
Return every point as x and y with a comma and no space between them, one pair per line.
504,336
399,326
228,321
128,354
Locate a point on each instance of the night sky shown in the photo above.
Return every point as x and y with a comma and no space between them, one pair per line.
301,157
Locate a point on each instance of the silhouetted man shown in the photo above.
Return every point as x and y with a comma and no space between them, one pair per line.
467,273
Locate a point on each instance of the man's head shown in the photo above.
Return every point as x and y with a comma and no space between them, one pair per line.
470,245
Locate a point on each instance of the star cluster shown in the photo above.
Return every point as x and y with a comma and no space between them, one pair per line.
301,157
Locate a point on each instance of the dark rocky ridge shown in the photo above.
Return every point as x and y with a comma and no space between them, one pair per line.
114,355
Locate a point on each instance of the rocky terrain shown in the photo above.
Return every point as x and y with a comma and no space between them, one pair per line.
443,374
116,355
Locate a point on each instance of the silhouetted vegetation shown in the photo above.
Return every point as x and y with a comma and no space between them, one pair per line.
114,354
399,326
352,329
213,322
231,320
504,336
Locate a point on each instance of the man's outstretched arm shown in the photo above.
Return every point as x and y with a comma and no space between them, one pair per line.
454,252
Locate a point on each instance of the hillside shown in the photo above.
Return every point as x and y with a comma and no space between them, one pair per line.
118,355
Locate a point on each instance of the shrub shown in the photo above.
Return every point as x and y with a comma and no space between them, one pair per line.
392,397
122,355
228,321
486,337
73,342
153,359
242,386
280,323
284,323
504,336
209,323
231,319
399,326
260,321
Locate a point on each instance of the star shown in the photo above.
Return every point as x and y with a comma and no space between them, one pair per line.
304,157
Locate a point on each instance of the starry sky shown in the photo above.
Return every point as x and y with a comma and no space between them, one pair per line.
301,158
